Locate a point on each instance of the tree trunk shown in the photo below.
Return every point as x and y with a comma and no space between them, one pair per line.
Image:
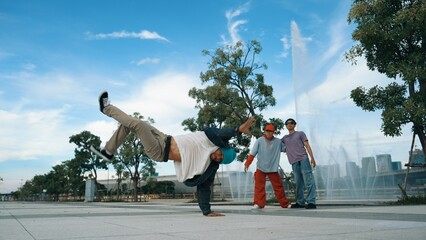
410,159
420,131
119,188
135,190
422,89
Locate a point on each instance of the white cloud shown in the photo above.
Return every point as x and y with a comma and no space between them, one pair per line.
29,67
234,25
286,47
5,55
55,86
102,128
32,134
147,60
340,37
164,97
340,79
57,90
144,34
237,12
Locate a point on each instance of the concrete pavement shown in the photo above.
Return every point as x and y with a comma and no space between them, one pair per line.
179,220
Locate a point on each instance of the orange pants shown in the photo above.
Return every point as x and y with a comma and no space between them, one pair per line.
260,192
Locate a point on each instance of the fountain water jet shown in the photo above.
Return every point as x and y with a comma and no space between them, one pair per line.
328,134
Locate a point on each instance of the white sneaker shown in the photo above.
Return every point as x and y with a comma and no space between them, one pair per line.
255,207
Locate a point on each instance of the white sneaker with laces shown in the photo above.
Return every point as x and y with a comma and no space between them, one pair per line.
255,207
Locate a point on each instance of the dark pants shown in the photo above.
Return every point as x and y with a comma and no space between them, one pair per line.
203,183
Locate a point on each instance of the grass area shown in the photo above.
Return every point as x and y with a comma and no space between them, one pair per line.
411,200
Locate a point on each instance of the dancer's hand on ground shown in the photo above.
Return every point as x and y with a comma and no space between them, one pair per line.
245,127
213,214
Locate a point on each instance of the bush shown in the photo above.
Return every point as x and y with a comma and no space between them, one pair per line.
412,200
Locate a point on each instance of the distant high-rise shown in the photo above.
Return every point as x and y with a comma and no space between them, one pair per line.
352,170
396,166
368,166
418,157
384,162
328,171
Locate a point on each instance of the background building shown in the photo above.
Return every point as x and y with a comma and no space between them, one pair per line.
384,163
396,166
418,158
328,171
368,166
352,170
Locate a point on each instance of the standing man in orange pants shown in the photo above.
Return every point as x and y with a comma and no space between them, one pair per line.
268,150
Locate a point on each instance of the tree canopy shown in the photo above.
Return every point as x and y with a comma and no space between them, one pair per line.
84,158
234,92
391,36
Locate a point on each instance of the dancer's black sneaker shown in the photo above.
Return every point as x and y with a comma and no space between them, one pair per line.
311,206
103,101
102,153
296,205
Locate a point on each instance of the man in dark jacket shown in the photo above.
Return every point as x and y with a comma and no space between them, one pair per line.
196,155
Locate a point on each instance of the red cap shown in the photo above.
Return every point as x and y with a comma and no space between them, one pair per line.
270,127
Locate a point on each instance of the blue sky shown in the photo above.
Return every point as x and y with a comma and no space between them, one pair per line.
57,56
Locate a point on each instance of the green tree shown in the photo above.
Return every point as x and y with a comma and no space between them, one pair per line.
119,170
391,36
25,192
72,175
51,182
57,181
235,92
131,156
64,178
86,159
39,184
154,187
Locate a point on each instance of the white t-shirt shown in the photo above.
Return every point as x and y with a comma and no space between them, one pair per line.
195,149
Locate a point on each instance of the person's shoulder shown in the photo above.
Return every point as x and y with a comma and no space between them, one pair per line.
301,134
262,139
259,140
280,140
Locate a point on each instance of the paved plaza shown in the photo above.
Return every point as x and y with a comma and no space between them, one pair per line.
177,220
